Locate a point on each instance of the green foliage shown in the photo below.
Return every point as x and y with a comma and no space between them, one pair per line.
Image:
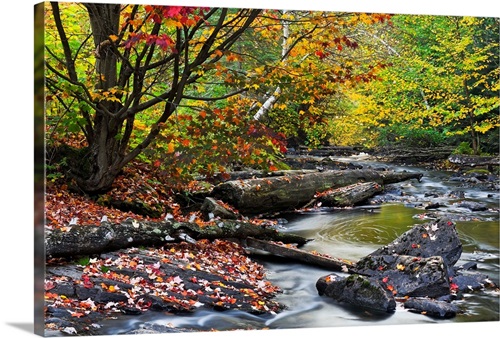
443,74
410,136
83,261
464,148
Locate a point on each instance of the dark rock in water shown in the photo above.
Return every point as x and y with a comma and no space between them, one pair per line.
436,238
357,290
456,194
433,206
466,266
472,206
407,275
432,308
470,281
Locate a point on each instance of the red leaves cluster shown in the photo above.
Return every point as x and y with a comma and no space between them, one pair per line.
183,14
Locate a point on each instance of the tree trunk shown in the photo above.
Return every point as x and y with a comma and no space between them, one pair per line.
350,195
312,258
92,239
256,196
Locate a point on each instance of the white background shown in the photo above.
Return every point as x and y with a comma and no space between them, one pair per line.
16,162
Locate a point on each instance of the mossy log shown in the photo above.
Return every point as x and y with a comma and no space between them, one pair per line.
273,194
106,237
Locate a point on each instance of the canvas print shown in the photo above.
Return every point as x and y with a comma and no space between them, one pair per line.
204,169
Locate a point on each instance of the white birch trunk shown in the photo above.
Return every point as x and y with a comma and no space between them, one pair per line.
268,104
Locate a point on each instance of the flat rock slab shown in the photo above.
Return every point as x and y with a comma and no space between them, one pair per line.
436,238
357,290
407,275
178,278
432,308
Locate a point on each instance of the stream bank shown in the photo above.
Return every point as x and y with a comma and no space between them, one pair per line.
359,230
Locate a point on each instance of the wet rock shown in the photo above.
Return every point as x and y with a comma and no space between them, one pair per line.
148,328
407,275
469,281
65,289
451,216
357,290
433,206
432,308
472,206
456,194
436,238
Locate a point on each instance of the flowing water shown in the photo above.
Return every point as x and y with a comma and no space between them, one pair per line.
351,234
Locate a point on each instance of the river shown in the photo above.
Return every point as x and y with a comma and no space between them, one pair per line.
351,234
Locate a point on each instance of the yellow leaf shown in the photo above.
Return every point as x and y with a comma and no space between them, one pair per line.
171,148
400,267
113,37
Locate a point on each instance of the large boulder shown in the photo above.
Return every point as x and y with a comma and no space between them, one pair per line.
436,238
407,275
357,290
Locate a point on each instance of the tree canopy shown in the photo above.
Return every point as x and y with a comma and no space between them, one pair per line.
194,91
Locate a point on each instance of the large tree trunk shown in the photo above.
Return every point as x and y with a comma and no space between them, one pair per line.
91,239
256,196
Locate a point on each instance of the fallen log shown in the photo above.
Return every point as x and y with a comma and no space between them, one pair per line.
412,155
348,196
244,175
93,239
256,196
316,259
474,161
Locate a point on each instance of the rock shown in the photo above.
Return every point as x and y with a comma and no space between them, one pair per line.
436,238
470,281
212,208
433,206
148,328
357,290
407,275
472,206
432,308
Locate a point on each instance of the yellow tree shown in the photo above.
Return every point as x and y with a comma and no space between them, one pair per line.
444,79
313,60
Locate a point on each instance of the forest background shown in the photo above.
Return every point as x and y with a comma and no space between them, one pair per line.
143,103
17,148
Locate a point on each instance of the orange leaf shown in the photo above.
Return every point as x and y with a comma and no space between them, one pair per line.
171,148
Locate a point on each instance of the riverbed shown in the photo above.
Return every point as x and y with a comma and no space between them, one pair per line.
352,233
